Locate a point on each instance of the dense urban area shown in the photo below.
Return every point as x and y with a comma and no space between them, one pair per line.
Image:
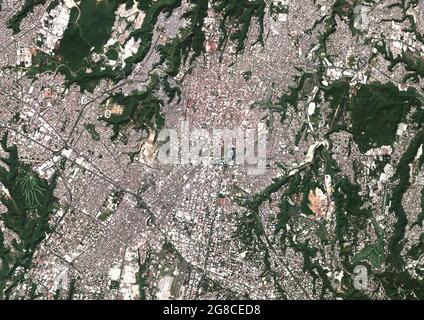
211,149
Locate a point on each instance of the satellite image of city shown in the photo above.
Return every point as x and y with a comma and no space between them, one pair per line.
220,150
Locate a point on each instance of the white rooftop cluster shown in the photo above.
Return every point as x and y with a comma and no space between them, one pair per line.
55,23
403,41
24,57
125,46
125,274
337,71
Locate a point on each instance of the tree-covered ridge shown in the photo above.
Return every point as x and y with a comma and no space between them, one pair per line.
238,16
141,110
90,26
29,201
352,234
369,114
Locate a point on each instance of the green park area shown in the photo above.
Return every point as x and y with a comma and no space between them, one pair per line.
28,203
376,111
89,28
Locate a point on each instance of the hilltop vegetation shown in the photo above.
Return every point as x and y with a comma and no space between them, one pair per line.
29,201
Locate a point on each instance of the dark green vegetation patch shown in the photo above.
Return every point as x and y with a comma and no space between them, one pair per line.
142,110
376,111
89,27
29,204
